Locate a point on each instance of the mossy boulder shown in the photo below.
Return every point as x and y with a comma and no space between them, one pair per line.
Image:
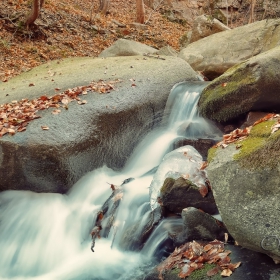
182,193
252,85
245,180
83,138
215,54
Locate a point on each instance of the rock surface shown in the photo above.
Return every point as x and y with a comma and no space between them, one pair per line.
198,225
82,138
215,54
124,47
252,85
182,193
246,188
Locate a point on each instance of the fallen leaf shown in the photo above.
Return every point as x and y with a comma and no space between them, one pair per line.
203,165
203,190
44,127
226,272
56,112
31,85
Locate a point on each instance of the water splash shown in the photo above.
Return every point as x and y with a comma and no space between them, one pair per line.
47,236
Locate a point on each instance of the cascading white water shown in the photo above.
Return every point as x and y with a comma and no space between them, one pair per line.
47,236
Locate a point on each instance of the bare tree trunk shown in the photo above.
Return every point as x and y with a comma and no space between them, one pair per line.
36,7
104,6
253,4
140,11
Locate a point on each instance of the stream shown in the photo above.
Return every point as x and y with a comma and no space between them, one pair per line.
47,235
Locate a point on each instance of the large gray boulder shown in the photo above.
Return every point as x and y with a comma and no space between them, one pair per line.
124,47
252,85
215,54
245,180
84,137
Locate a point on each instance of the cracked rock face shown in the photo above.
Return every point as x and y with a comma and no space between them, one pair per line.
215,54
83,138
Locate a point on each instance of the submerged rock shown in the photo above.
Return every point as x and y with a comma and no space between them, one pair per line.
82,138
215,54
252,85
135,236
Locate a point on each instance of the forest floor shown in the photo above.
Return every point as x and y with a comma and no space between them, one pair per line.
69,28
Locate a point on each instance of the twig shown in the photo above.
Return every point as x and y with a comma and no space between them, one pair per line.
155,8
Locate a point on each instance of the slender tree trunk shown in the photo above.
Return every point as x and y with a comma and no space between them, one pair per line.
140,11
36,7
253,4
104,6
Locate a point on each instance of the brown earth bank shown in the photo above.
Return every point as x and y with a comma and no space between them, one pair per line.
70,28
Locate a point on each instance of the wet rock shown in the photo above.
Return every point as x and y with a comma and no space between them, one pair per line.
201,145
198,225
215,54
252,85
181,193
252,117
135,236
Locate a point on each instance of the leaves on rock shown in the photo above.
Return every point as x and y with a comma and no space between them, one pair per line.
15,116
241,134
193,255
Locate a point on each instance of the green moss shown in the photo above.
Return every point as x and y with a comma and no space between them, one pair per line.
263,129
223,103
248,146
168,183
211,154
201,274
261,149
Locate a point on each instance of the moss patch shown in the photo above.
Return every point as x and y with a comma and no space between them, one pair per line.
168,183
199,274
211,154
261,149
231,95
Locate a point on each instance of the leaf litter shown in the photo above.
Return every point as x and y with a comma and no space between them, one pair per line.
192,256
241,134
16,115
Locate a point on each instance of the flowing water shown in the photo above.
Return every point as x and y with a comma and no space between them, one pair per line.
47,236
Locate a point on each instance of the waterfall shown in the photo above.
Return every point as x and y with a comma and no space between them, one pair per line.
47,236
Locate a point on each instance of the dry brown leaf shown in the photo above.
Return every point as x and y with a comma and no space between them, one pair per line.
226,272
